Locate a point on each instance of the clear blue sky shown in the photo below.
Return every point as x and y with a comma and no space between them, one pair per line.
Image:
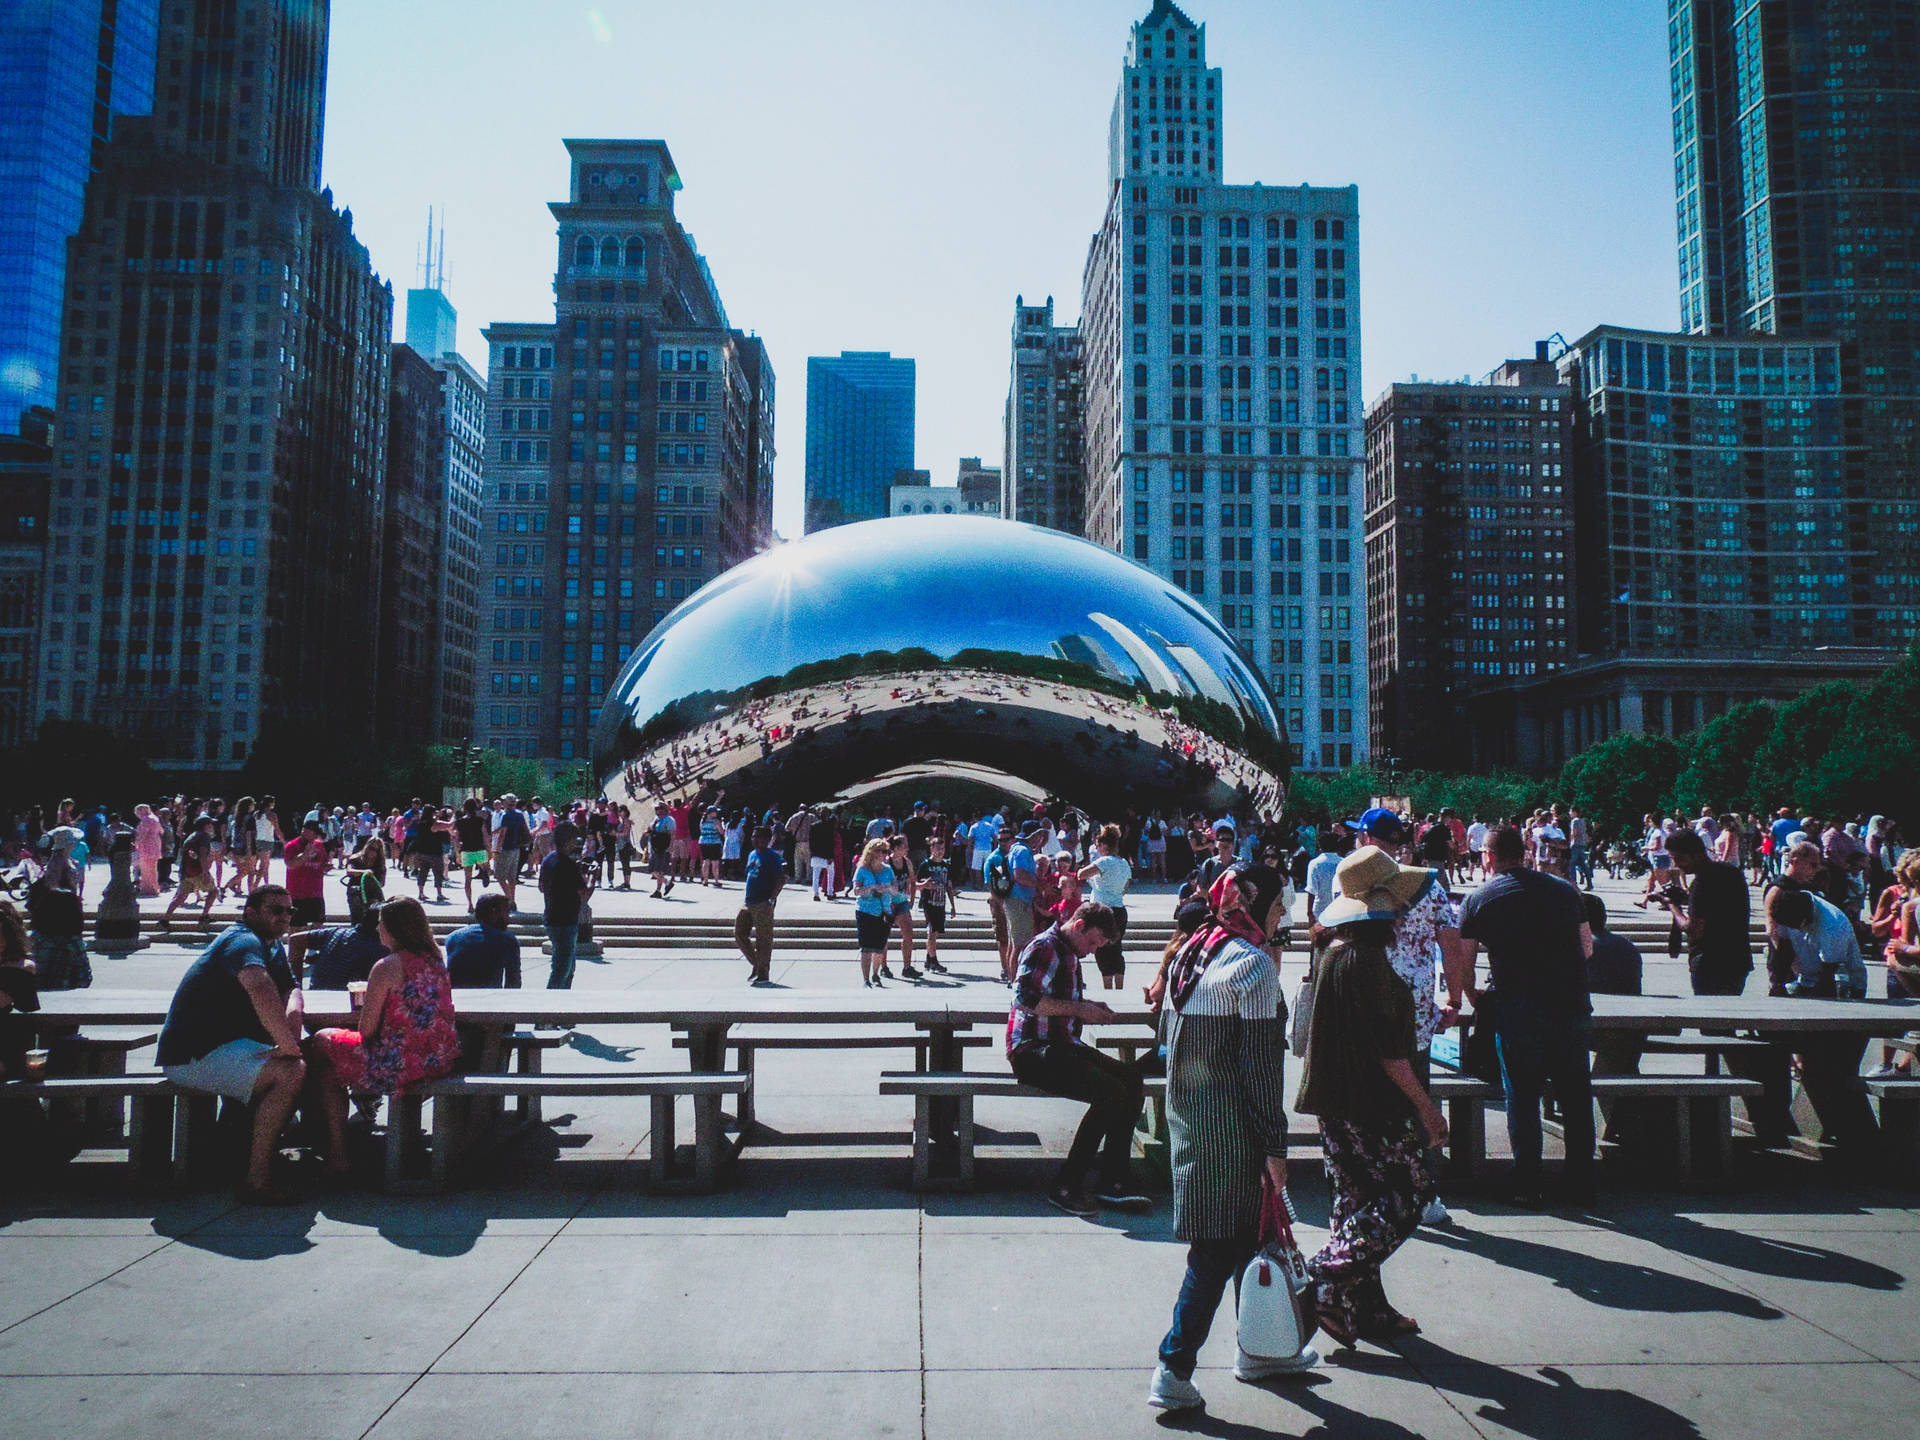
889,174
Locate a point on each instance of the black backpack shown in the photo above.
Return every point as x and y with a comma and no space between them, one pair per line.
999,875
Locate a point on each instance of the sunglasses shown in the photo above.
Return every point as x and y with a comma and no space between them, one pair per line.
276,909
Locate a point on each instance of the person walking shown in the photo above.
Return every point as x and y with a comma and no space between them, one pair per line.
873,909
1377,1123
933,881
753,925
1225,1032
1107,877
1534,929
565,886
147,845
899,858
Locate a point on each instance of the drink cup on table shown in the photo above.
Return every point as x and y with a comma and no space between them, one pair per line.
356,993
36,1064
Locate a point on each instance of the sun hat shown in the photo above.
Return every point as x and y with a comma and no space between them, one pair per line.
1373,886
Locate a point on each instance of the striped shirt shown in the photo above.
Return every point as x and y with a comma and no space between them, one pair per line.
1226,1054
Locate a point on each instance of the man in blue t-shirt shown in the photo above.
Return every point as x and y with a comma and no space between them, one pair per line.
234,1029
485,955
1026,885
1783,825
753,926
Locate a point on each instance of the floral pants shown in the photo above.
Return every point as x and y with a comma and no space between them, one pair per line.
1380,1184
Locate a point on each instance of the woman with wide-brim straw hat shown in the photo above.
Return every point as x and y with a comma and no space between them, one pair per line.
1376,1121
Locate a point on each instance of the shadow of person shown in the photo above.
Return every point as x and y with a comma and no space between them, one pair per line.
1616,1284
1548,1404
1771,1255
1311,1393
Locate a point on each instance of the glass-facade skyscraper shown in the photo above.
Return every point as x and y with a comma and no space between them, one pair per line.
1797,177
859,434
66,69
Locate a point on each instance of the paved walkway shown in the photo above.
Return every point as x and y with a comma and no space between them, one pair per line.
820,1297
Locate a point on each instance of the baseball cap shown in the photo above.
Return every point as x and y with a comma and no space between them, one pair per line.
1379,821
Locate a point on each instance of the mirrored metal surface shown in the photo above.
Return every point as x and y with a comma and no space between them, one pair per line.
919,640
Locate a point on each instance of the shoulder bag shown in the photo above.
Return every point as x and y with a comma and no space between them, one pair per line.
1276,1317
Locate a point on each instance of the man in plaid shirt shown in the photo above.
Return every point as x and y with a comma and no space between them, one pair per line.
1044,1048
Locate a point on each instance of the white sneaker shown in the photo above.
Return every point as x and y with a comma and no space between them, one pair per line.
1261,1367
1170,1392
1435,1213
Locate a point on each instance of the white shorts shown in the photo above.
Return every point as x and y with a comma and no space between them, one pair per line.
232,1070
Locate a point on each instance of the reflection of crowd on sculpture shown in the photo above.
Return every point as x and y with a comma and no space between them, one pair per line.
704,755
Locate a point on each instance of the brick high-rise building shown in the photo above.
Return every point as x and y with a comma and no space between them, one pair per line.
1470,581
1043,478
628,464
1220,327
219,466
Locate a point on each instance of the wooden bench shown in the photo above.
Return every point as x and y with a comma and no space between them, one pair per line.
1703,1115
155,1139
525,1052
711,1151
748,1040
1899,1123
963,1089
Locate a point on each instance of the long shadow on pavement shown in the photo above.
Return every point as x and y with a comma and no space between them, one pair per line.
1615,1284
1548,1404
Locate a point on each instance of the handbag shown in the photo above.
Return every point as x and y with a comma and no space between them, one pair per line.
1276,1314
1300,1031
1480,1056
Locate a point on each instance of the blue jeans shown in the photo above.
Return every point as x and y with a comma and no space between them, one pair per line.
563,939
1210,1264
1535,1050
1580,865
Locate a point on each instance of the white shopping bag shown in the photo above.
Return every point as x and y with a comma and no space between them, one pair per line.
1275,1291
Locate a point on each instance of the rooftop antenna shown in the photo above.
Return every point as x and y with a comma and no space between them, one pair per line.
426,271
441,282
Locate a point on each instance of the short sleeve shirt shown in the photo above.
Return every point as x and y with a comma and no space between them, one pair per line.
1529,924
1109,885
1048,969
211,1007
1415,953
1320,879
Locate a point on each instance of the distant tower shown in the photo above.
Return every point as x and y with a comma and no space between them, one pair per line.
432,325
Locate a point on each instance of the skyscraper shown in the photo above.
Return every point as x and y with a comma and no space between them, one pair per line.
24,481
859,434
66,70
220,457
629,449
1469,522
1798,180
1044,482
1221,344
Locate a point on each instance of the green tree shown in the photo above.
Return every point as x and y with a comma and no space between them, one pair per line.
1785,764
1620,779
1720,760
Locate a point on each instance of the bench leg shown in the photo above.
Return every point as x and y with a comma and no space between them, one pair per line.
709,1142
194,1120
746,1098
661,1147
531,1063
150,1136
448,1114
1900,1134
406,1138
1466,1138
1683,1133
963,1161
922,1139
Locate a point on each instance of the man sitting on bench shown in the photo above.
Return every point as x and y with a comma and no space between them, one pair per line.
1046,1052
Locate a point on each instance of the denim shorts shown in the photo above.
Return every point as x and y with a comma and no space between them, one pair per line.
231,1070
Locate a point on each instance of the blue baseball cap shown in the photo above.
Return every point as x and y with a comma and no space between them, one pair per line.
1380,821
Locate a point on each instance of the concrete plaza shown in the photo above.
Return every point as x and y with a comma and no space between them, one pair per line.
819,1296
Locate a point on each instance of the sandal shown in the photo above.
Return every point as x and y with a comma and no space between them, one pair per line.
1389,1325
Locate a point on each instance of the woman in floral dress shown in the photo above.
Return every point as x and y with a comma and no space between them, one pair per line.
405,1029
147,836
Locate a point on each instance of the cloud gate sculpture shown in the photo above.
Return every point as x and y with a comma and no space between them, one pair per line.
942,644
